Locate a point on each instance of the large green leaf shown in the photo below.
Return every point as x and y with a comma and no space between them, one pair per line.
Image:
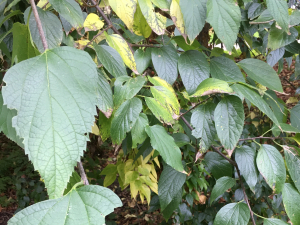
222,185
142,59
271,165
124,119
245,158
212,86
70,10
2,6
279,38
86,205
262,73
104,97
293,164
218,166
55,100
279,11
233,214
127,87
229,117
194,15
271,221
22,46
169,210
295,116
111,60
155,20
166,146
161,112
202,120
291,199
51,26
170,182
295,18
223,68
165,62
256,100
193,68
225,18
138,132
6,127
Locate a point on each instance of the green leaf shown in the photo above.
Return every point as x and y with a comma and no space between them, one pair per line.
169,184
124,119
194,16
279,38
233,214
138,132
22,47
142,59
295,18
271,221
104,97
212,86
222,185
181,139
279,11
291,199
293,164
86,205
225,18
182,44
155,20
53,118
6,127
104,126
162,4
2,6
202,121
74,179
165,62
262,73
271,166
111,60
218,166
229,117
284,128
169,210
295,116
166,146
118,43
245,158
193,68
140,25
159,111
70,10
225,69
264,17
126,88
51,26
256,100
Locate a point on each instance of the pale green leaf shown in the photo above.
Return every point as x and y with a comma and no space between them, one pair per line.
86,205
140,25
225,18
229,118
218,166
193,68
271,221
159,111
279,11
222,185
278,38
265,17
104,97
271,166
166,146
138,132
233,214
293,164
52,117
104,126
212,86
295,18
291,199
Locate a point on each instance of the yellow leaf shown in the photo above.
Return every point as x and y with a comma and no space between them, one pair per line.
131,176
142,197
153,171
143,170
292,100
95,129
42,3
125,10
93,22
150,183
157,162
152,178
117,42
157,81
82,43
155,20
129,165
297,138
134,188
177,17
104,3
212,86
146,192
140,25
100,37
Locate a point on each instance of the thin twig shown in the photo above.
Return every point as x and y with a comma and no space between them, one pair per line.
199,103
97,36
145,45
39,25
261,22
110,23
271,138
44,6
82,173
224,156
187,123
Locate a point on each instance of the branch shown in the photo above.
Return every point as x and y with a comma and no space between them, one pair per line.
110,26
271,138
199,103
261,22
82,173
144,45
187,123
39,25
109,23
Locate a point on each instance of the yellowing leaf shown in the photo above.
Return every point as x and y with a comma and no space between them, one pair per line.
125,10
103,3
129,165
95,129
42,3
82,43
212,86
146,192
153,171
177,17
93,22
156,161
292,100
155,20
157,81
134,188
153,185
118,43
131,176
140,25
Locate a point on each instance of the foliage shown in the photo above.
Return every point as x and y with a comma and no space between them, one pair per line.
203,135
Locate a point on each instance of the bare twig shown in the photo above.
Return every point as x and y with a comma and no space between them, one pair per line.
82,173
97,36
261,22
39,25
44,6
187,123
199,103
254,138
110,23
117,149
224,156
145,45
